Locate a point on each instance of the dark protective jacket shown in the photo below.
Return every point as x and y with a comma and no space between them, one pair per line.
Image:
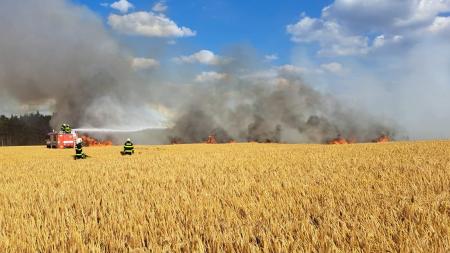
79,150
128,148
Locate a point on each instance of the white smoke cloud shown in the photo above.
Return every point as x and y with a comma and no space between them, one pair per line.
144,63
210,76
289,69
148,24
334,67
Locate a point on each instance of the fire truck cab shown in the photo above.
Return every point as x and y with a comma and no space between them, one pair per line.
61,140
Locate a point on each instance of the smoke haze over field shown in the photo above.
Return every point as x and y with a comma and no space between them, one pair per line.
58,55
271,109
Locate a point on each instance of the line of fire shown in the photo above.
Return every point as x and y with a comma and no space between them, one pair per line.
211,139
66,138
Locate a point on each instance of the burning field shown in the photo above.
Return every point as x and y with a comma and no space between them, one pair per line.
288,111
341,140
243,197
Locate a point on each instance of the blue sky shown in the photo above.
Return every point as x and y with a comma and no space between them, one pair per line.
219,23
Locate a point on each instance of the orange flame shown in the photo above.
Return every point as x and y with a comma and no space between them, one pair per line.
92,142
338,140
211,139
176,140
382,139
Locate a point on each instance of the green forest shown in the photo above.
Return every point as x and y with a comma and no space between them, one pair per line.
28,129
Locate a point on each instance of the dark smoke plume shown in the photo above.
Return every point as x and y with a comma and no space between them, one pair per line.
56,53
276,109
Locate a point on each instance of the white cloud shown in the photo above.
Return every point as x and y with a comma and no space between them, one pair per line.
148,24
144,63
379,41
440,25
334,67
334,40
160,7
423,12
344,26
210,77
122,6
363,15
271,57
203,56
383,40
104,4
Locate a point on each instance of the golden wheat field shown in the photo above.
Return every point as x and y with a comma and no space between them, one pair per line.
391,197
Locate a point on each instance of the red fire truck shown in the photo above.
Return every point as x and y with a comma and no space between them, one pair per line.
61,140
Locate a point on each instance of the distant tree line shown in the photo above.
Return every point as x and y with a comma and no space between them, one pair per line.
28,129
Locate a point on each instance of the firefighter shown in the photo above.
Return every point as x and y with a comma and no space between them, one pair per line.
128,148
79,149
65,128
68,129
